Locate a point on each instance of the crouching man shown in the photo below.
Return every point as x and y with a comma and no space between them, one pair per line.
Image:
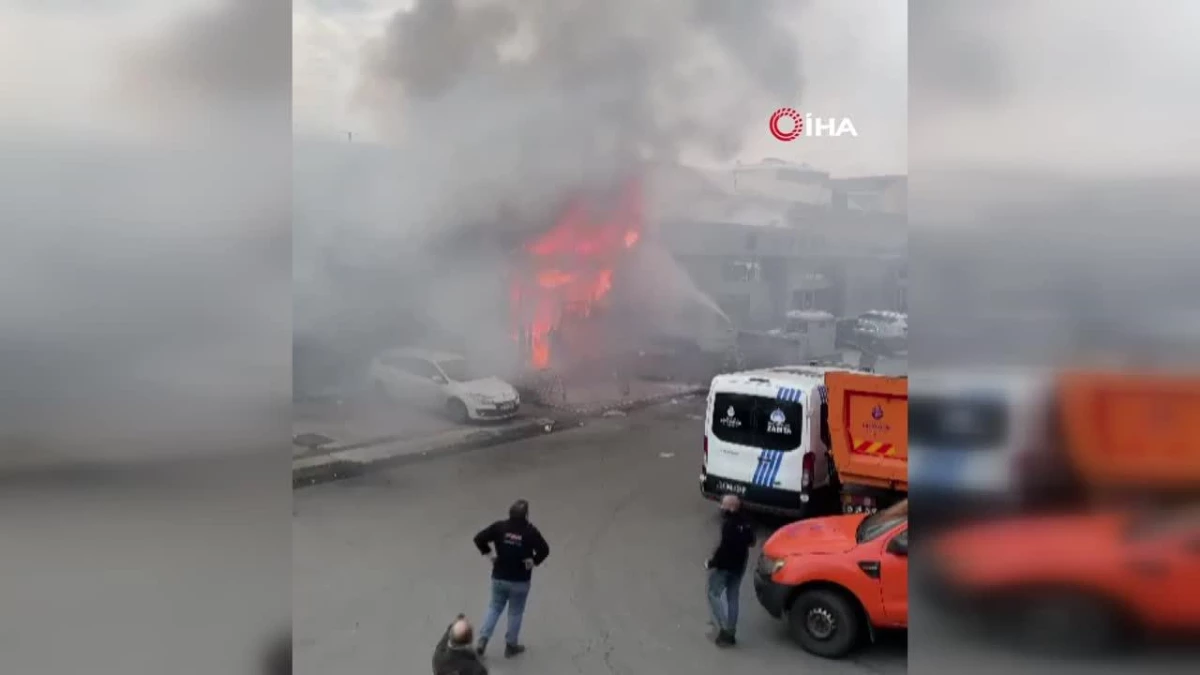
454,653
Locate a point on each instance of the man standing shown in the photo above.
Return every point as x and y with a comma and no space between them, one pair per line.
453,655
726,568
515,547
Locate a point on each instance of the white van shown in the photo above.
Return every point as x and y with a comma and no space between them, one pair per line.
766,439
976,436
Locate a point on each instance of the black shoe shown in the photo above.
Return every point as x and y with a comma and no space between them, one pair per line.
481,647
724,639
732,639
513,650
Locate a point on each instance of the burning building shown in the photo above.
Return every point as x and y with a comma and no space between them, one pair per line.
565,275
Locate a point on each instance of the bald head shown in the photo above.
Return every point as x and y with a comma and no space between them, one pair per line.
461,633
730,503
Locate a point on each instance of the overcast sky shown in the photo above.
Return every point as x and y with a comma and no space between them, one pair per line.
1087,87
853,55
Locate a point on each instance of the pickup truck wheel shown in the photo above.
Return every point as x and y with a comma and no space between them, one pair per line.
824,623
456,410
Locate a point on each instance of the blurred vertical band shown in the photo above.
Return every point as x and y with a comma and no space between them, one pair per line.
1054,348
145,323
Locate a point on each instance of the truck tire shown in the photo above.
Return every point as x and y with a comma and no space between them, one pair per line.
825,622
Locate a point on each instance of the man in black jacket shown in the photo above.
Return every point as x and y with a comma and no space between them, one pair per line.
453,655
515,547
726,568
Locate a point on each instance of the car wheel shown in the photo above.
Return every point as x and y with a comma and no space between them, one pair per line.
825,623
456,410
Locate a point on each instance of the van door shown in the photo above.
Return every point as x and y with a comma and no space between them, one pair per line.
755,440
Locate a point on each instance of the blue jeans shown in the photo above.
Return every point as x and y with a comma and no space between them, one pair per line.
513,594
723,590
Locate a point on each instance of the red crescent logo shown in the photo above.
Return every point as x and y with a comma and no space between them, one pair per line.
797,124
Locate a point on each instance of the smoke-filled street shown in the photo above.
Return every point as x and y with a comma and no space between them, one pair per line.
384,562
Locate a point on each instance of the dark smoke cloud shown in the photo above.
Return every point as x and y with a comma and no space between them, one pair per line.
600,80
500,110
238,53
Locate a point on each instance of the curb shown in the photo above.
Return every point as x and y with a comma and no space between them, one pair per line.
357,459
348,462
627,406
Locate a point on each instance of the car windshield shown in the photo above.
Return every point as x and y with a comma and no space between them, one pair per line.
877,524
455,369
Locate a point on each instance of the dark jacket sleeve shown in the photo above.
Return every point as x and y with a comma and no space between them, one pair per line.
483,540
541,550
443,644
722,545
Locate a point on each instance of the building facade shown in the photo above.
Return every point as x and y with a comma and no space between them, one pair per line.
777,237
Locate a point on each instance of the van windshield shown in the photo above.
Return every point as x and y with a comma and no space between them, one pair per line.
958,423
757,421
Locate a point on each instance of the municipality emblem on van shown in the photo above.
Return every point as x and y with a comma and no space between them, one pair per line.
777,423
877,412
730,420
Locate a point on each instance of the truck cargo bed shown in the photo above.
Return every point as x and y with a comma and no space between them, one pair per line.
1132,430
868,426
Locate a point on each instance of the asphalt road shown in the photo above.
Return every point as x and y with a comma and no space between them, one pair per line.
382,562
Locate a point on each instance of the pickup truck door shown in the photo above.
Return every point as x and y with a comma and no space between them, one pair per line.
893,578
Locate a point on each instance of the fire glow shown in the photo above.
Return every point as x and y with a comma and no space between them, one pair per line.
569,268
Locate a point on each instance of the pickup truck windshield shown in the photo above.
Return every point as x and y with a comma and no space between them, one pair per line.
877,524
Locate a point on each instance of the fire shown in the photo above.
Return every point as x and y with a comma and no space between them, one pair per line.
571,267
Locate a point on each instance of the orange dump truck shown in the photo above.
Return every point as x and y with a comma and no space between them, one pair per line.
1125,432
868,438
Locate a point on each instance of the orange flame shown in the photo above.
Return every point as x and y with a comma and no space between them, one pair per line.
572,268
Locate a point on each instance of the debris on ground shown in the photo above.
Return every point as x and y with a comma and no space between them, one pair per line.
666,455
695,417
613,413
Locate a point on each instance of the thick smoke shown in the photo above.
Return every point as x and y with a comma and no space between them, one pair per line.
495,113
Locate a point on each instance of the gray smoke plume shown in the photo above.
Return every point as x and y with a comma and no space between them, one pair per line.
498,111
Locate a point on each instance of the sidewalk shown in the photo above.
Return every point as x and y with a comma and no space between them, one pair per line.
336,463
322,426
598,397
354,455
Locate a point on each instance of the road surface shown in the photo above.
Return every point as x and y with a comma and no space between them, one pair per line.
382,562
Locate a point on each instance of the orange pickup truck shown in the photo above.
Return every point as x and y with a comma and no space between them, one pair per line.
836,579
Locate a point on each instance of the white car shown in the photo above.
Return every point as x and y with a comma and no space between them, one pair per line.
442,382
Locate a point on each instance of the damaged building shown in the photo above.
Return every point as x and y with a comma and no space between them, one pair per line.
766,239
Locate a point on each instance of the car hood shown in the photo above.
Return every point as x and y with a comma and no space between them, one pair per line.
817,536
492,387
